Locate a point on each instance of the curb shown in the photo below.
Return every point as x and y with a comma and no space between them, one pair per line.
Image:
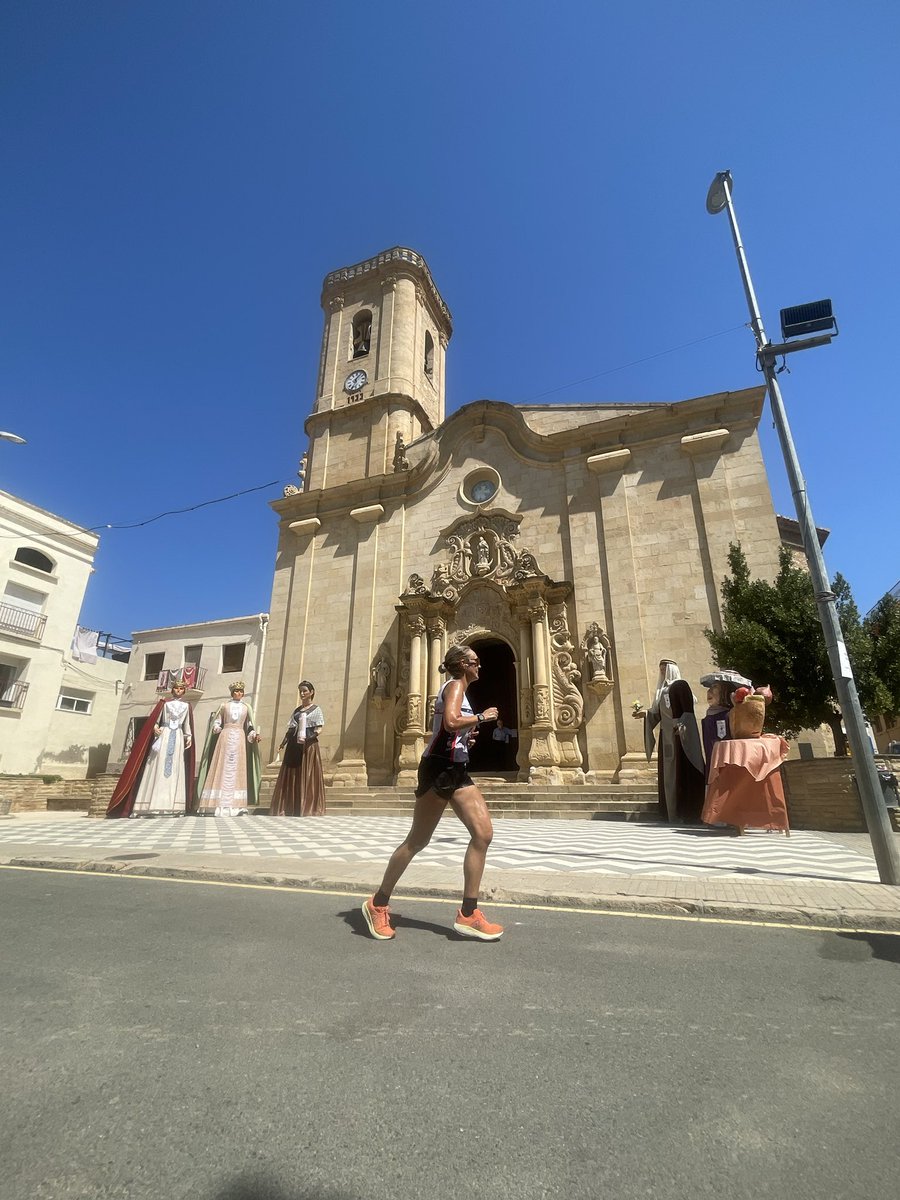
859,920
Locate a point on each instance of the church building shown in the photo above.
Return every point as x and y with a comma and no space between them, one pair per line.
570,545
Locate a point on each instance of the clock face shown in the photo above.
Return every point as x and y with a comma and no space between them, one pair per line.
355,380
483,490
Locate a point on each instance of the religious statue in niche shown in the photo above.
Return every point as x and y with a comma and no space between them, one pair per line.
595,646
481,548
381,680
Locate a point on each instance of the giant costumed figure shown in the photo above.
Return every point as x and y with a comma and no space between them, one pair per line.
158,779
228,779
745,788
679,761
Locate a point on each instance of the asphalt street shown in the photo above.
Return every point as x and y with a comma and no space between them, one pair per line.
169,1039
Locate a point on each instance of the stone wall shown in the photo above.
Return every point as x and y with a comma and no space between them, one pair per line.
821,794
33,795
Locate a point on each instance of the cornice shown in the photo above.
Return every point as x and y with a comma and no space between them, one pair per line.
398,259
431,454
651,425
324,416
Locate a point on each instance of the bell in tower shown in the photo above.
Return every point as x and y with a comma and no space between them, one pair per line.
381,370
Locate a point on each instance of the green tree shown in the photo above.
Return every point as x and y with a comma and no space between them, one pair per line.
883,627
771,632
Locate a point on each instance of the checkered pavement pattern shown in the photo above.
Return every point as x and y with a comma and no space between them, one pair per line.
589,847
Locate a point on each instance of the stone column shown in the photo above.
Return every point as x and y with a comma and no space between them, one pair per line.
436,629
526,710
543,754
411,739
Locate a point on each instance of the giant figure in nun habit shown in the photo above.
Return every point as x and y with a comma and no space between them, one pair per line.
158,779
653,718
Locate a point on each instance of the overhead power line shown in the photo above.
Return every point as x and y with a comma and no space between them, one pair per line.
636,362
173,512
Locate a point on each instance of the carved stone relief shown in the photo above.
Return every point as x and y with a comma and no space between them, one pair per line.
413,711
484,612
479,547
567,699
541,703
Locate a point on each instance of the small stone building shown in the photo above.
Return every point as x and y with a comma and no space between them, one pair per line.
207,657
572,546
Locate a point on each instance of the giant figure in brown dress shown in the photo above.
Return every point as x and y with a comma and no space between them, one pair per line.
300,786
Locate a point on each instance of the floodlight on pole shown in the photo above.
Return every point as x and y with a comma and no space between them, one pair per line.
12,437
718,199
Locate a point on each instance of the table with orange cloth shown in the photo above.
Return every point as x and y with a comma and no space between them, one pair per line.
745,787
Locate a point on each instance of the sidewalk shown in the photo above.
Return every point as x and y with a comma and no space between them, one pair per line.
810,878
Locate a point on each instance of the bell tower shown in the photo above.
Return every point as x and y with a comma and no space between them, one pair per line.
381,370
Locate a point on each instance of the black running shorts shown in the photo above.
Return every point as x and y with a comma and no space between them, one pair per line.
442,776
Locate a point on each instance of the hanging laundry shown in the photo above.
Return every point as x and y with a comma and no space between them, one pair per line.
84,645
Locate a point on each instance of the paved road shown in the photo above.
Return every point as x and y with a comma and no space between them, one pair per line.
171,1039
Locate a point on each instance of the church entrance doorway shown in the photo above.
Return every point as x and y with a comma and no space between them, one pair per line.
496,686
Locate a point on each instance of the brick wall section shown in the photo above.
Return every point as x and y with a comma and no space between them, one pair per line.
821,794
90,796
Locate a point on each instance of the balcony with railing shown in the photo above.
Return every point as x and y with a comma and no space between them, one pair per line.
23,621
192,677
13,694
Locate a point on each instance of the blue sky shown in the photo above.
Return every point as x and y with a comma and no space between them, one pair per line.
179,177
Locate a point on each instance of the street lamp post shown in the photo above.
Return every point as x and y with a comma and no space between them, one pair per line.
11,437
886,855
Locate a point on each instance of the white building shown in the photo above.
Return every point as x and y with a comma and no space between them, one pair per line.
208,656
56,715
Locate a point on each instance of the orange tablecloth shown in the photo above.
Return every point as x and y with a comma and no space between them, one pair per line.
745,787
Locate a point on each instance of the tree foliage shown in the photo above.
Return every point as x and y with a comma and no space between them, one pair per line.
771,633
883,627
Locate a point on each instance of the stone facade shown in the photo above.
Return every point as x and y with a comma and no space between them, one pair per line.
45,565
572,546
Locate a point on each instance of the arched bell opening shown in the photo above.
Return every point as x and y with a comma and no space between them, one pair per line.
497,687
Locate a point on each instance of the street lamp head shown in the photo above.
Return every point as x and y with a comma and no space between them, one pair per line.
719,193
12,437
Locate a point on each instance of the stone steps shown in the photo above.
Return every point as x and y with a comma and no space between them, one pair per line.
509,800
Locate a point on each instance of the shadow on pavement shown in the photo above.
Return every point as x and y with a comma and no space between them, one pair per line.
354,918
882,945
261,1187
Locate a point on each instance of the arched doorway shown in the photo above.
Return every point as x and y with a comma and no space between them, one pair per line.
496,686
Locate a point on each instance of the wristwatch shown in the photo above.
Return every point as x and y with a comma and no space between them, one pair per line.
479,718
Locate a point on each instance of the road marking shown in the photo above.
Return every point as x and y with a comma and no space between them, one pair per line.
401,899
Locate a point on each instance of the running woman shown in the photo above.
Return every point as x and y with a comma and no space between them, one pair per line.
444,778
